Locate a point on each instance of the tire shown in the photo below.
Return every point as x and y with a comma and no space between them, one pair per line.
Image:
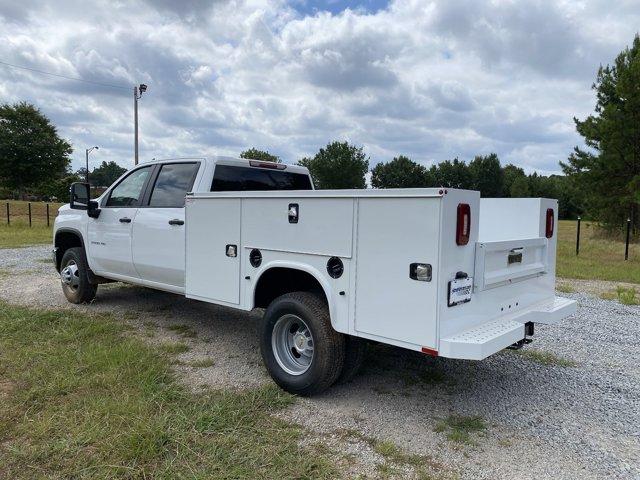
302,352
74,276
355,351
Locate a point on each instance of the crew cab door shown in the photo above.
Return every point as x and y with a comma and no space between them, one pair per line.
158,235
110,234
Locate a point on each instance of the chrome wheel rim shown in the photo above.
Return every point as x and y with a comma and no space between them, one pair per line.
292,344
70,276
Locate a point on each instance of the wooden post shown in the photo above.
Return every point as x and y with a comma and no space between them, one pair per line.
47,214
29,214
8,218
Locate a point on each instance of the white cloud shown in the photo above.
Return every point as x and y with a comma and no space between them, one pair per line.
432,80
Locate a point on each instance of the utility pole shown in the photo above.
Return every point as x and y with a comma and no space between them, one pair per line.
87,152
141,88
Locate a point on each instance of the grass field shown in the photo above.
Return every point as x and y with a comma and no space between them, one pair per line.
18,233
599,258
81,397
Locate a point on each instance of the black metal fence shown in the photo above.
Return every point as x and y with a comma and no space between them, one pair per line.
31,213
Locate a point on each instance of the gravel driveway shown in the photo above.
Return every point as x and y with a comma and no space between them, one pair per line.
576,415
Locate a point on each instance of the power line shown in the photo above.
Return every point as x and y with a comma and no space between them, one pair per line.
66,77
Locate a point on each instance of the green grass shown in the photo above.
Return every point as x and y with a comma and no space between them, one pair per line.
203,363
184,330
600,258
18,233
174,348
565,288
626,296
459,428
544,358
78,399
395,459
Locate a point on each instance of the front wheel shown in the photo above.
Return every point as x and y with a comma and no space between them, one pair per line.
302,352
74,275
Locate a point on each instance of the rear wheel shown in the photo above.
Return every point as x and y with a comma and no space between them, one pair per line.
302,352
74,275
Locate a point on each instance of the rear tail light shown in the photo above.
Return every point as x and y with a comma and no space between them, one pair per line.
550,223
463,227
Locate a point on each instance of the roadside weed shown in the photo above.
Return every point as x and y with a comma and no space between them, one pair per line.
174,348
203,363
565,288
183,329
544,358
627,296
459,427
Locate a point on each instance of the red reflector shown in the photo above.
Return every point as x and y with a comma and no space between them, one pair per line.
430,351
272,165
463,227
550,223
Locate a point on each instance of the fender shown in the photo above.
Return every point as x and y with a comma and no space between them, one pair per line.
315,273
93,278
76,232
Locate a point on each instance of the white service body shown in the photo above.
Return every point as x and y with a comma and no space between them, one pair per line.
506,271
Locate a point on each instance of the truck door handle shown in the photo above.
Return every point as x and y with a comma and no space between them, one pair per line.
176,221
125,220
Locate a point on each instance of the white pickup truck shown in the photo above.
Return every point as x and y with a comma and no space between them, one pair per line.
440,271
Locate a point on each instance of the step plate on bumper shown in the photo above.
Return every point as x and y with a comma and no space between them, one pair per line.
483,340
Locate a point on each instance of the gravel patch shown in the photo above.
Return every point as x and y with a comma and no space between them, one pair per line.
26,260
543,420
593,287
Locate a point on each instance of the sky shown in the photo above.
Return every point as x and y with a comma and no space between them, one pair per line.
432,80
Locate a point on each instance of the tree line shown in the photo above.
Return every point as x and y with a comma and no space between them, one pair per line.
341,165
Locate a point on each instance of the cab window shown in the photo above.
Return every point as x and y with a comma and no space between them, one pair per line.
172,184
128,192
228,178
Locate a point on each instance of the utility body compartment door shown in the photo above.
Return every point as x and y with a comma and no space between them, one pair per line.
505,262
393,233
213,224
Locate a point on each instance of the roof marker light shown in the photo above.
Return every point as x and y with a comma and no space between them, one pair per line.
271,165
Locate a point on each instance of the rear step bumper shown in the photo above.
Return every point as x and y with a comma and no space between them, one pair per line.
483,340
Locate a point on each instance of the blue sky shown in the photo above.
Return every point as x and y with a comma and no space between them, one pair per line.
311,7
429,79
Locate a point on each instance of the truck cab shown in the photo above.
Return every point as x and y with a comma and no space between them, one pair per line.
137,233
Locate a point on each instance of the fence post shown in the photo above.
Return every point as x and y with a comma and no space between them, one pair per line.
29,214
8,217
578,238
47,214
626,247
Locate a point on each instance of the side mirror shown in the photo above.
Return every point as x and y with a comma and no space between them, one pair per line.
80,199
79,196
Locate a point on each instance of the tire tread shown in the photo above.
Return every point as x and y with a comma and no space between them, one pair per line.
331,366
